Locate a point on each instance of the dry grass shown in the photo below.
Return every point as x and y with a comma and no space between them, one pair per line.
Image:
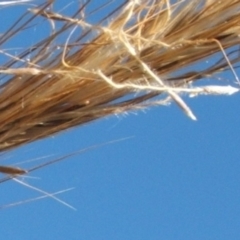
145,49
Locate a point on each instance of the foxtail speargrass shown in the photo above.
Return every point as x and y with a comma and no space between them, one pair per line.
140,54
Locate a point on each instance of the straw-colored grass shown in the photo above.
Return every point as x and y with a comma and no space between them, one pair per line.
143,50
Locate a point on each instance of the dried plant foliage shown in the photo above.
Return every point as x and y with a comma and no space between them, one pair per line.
141,54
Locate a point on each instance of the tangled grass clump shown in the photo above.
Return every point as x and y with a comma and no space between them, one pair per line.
140,54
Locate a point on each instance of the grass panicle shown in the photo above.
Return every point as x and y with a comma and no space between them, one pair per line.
142,53
139,54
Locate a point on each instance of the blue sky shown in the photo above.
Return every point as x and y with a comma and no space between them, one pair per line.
175,179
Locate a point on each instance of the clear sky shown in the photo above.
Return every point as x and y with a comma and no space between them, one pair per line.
175,179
